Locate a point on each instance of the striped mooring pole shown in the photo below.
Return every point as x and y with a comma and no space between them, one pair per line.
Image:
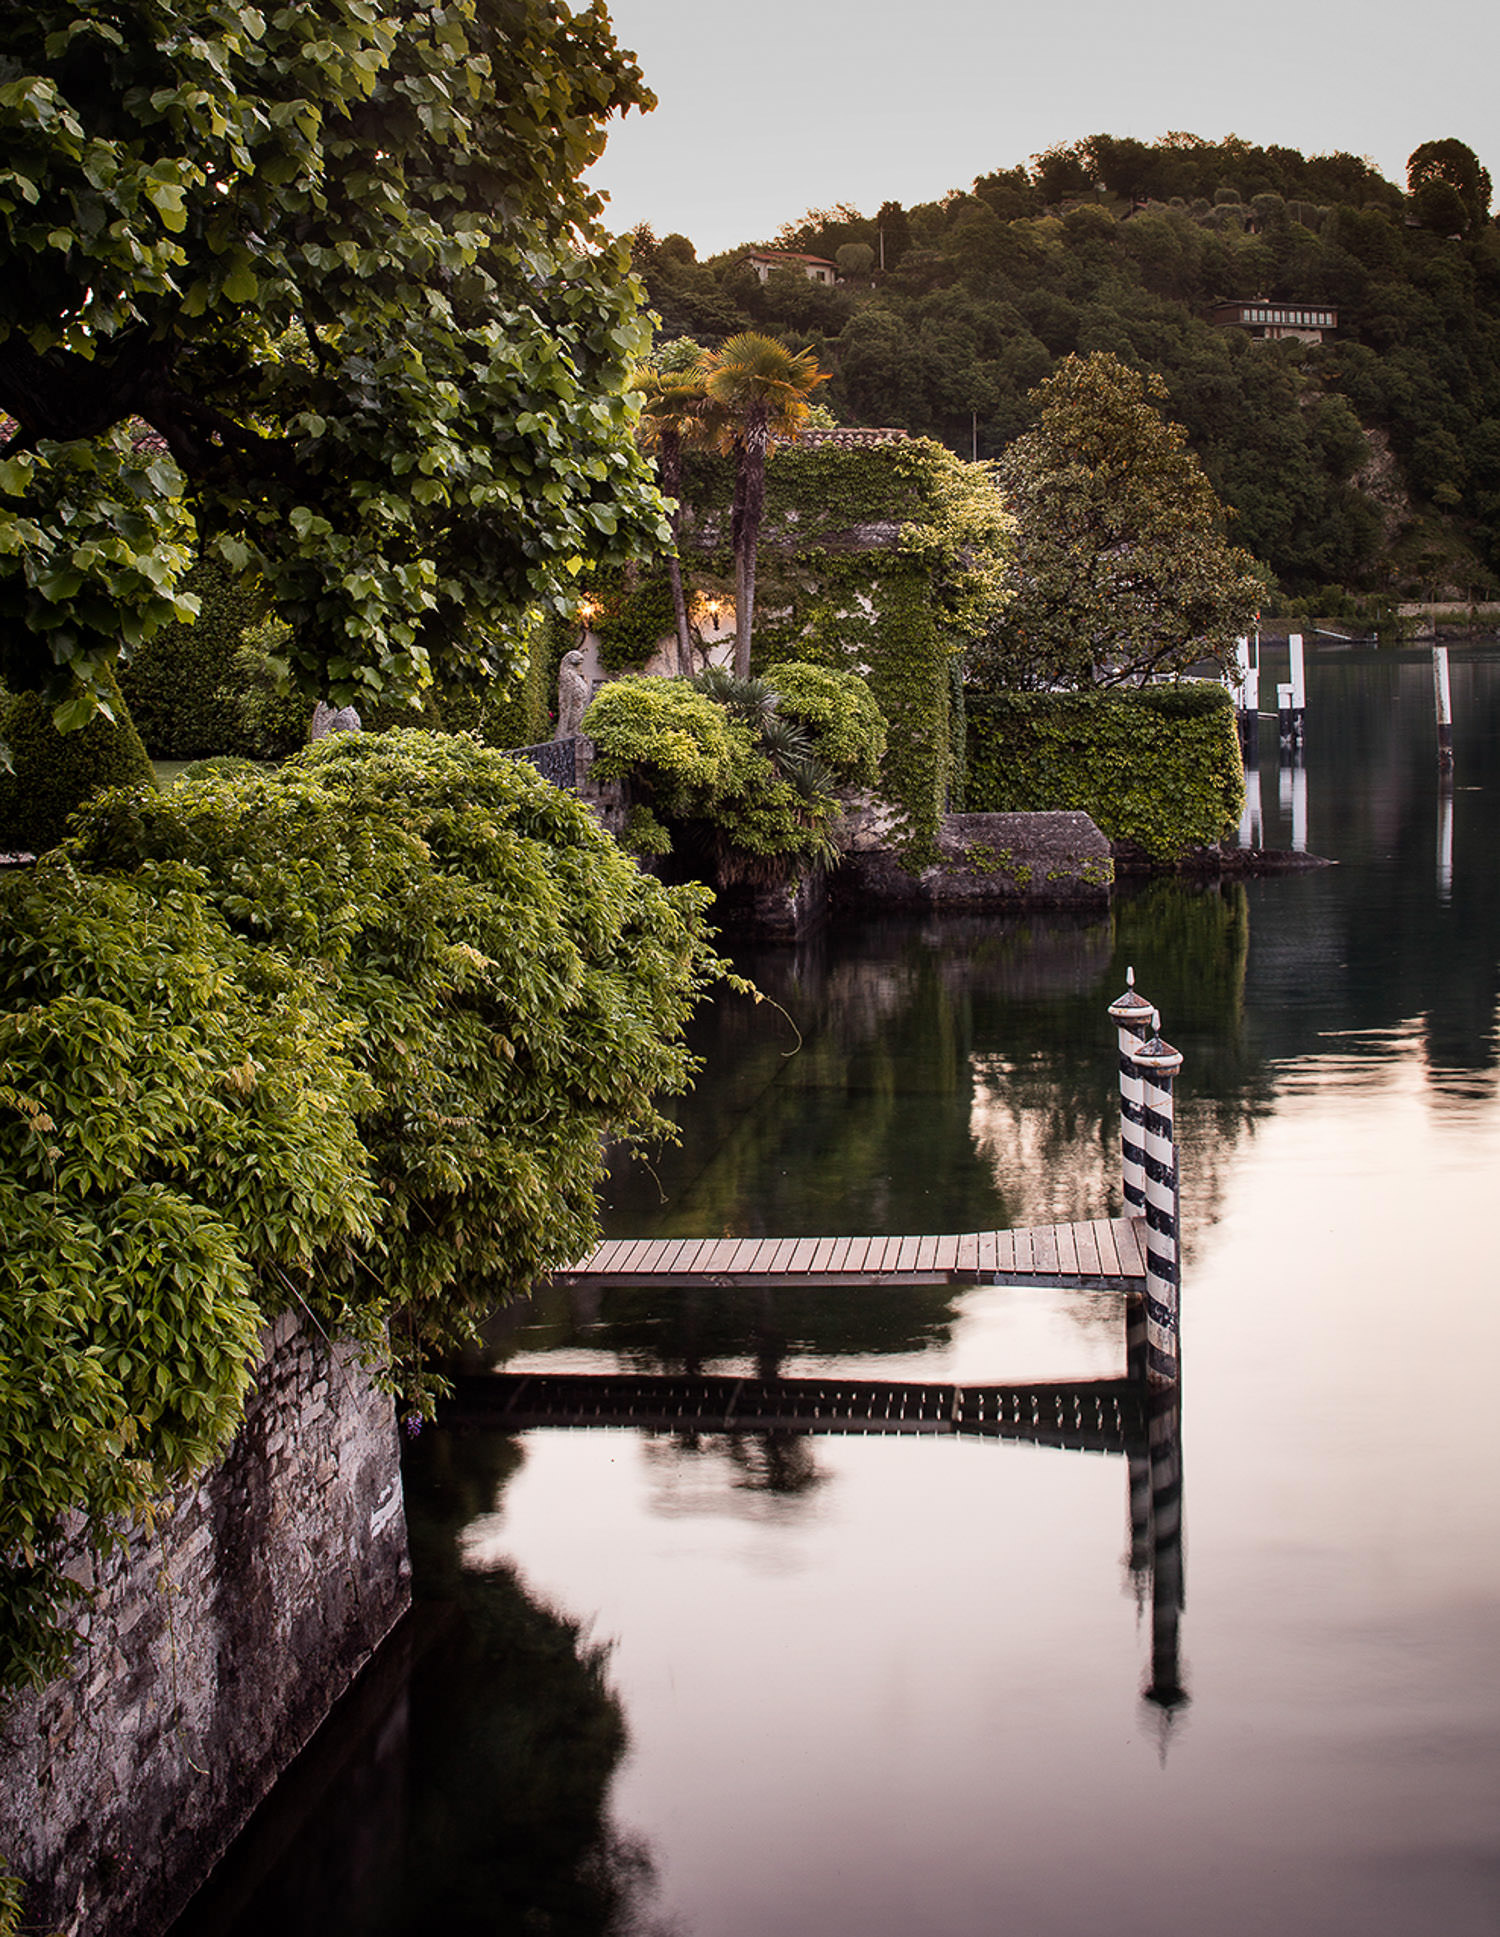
1159,1063
1133,1013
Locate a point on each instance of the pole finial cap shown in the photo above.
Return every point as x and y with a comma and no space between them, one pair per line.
1131,1008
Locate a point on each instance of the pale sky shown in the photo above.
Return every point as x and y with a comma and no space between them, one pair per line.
769,107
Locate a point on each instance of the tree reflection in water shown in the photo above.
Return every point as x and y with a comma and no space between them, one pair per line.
464,1785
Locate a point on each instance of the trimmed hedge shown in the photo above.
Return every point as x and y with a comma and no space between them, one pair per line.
55,773
1155,765
182,684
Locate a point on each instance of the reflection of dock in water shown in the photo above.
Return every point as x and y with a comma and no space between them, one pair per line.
1101,1416
1107,1416
1136,1417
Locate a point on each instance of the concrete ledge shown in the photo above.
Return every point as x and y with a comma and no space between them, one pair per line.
989,861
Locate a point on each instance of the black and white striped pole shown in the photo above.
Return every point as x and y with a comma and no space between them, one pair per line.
1133,1013
1158,1063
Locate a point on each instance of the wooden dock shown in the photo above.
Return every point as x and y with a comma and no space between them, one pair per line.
1102,1253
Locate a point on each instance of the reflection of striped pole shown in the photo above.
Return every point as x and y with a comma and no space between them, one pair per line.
1158,1063
1133,1013
1165,1687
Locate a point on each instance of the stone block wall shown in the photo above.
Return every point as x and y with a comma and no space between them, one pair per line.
219,1638
1053,860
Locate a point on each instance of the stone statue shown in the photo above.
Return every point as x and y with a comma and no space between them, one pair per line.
572,695
334,719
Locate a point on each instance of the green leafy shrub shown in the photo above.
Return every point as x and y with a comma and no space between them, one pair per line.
1158,766
740,801
54,773
847,727
667,735
345,1037
176,1134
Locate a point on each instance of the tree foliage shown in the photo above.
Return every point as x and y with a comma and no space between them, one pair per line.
1450,191
1123,570
337,258
345,1039
1369,462
761,391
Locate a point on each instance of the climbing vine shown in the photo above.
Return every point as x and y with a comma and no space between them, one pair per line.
344,1039
885,561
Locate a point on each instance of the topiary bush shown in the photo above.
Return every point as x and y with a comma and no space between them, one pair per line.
346,1037
53,774
182,685
1155,765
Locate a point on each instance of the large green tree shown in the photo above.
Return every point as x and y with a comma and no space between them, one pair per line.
675,413
1122,566
316,290
1450,191
763,391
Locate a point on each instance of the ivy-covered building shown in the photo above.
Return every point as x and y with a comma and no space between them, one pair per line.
879,554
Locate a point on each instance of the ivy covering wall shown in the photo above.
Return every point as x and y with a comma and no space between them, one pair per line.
883,561
1158,766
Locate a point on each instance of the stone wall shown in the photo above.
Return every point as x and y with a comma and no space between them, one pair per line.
1053,860
219,1638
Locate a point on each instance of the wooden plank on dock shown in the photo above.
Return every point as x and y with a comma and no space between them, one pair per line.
1101,1248
1130,1242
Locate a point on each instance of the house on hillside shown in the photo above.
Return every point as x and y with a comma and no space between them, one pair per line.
1266,321
815,268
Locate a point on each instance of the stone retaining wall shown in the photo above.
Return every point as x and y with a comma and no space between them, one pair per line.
988,861
218,1641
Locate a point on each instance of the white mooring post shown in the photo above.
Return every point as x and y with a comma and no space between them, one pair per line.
1133,1013
1442,699
1158,1063
1245,685
1291,699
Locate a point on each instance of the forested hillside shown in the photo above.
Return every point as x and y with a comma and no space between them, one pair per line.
1369,462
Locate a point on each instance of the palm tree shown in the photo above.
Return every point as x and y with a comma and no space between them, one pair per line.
763,390
674,413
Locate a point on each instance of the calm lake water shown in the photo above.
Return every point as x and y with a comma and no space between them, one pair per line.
866,1687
